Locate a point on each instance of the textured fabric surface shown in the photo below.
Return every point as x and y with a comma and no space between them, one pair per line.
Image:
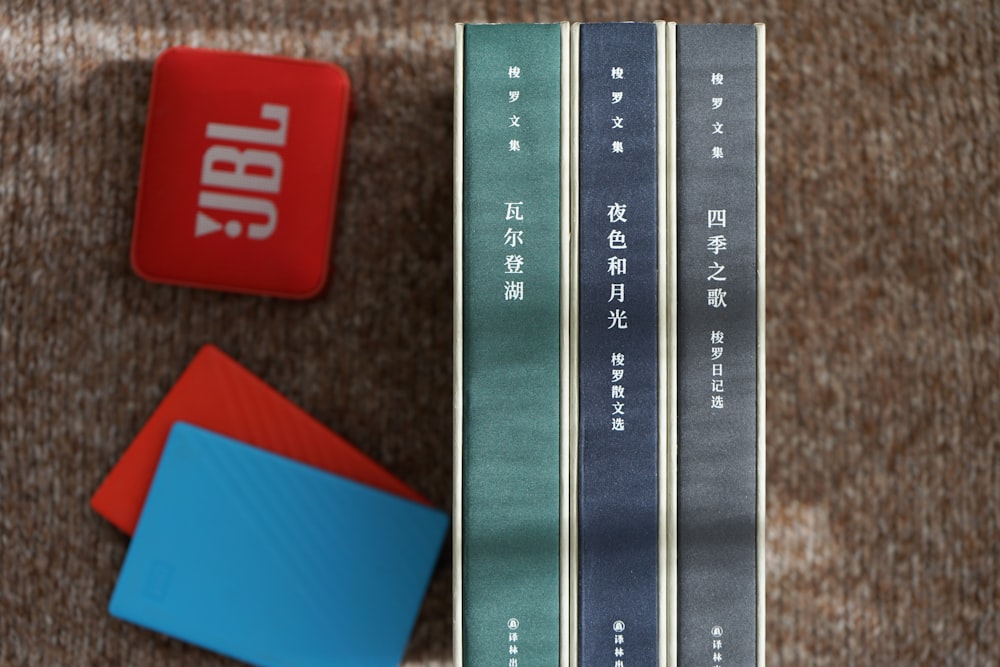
883,356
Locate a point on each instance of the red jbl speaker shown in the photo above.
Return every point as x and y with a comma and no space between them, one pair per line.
239,176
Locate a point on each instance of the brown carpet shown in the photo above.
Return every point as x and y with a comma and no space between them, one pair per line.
883,332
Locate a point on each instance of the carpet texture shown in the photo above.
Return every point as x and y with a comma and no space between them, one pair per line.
883,228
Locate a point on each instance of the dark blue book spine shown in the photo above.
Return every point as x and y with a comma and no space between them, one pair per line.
717,345
619,532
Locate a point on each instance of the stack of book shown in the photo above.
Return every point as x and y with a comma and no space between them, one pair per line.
609,347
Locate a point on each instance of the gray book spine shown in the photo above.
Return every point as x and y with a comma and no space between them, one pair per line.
718,344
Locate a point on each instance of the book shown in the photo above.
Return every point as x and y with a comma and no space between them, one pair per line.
620,228
511,345
273,561
720,344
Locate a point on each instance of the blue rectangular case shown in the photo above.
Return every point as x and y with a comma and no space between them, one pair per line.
273,562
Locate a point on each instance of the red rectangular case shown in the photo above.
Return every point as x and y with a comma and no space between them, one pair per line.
218,394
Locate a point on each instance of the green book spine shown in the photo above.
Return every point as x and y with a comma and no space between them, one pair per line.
511,335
